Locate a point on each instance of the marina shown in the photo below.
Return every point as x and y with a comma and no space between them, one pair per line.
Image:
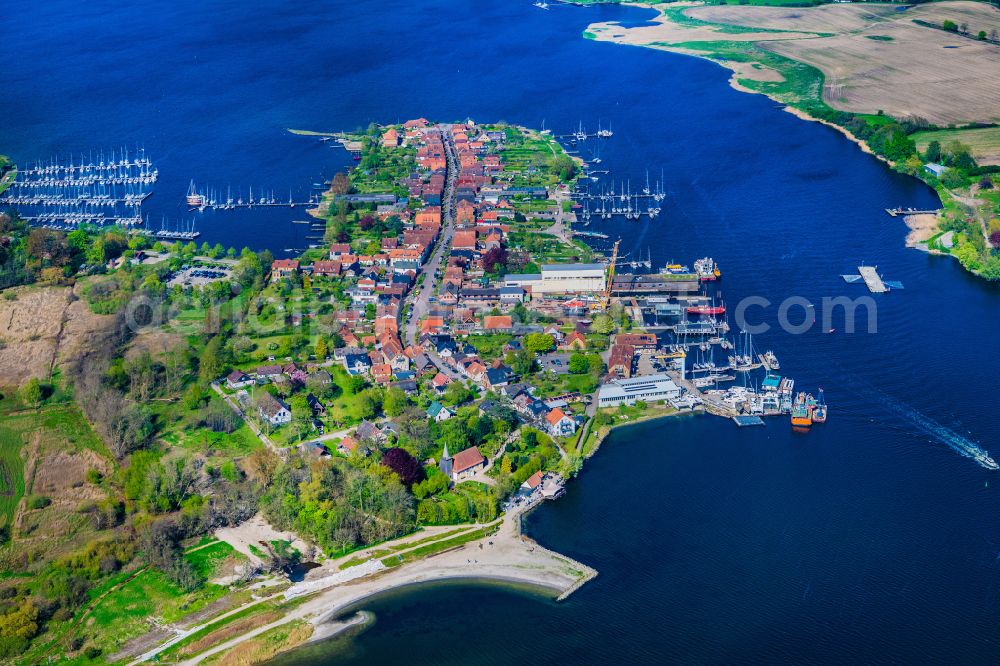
211,200
106,190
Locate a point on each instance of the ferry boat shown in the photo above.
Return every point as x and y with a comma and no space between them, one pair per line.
707,270
819,410
706,309
194,199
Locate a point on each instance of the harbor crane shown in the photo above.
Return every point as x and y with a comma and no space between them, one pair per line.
606,300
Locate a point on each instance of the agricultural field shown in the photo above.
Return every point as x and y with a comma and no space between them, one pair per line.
984,142
872,57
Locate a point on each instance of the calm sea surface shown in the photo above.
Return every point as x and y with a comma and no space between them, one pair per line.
871,538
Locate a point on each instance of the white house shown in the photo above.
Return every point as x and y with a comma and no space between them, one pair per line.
438,412
273,410
559,424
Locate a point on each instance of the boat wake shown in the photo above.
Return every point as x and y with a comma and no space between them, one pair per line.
944,434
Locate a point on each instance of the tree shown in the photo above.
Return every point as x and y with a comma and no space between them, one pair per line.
456,393
995,239
395,402
982,35
210,361
321,349
301,416
578,364
522,362
406,467
18,626
539,343
950,26
602,324
495,260
366,406
933,153
340,184
32,392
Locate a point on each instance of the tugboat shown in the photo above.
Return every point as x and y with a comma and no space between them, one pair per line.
819,410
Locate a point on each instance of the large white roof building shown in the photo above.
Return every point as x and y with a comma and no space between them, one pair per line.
651,388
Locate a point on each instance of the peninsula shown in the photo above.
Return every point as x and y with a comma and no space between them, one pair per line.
210,453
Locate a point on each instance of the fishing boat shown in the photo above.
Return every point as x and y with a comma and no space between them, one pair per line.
194,199
707,270
819,410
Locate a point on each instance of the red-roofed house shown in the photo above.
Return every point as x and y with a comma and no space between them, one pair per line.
440,381
498,323
382,373
428,216
431,325
532,482
464,239
390,138
326,267
559,424
575,340
282,267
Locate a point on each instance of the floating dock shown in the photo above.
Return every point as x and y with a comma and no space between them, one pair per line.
745,421
872,279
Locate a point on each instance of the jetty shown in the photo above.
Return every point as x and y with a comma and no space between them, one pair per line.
911,211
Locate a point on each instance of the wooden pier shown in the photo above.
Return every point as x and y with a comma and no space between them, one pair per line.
872,279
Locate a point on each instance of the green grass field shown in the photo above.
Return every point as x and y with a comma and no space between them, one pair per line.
983,141
11,473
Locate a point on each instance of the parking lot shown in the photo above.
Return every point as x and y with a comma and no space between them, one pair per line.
194,276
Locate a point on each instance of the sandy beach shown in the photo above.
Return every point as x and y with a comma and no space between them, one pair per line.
504,557
922,228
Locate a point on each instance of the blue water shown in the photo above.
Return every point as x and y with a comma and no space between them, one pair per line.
871,538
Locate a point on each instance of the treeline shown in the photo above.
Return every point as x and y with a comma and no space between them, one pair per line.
339,505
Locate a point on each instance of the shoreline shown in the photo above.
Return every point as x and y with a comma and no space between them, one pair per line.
505,558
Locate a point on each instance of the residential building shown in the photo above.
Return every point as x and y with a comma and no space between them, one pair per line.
273,410
438,412
559,424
